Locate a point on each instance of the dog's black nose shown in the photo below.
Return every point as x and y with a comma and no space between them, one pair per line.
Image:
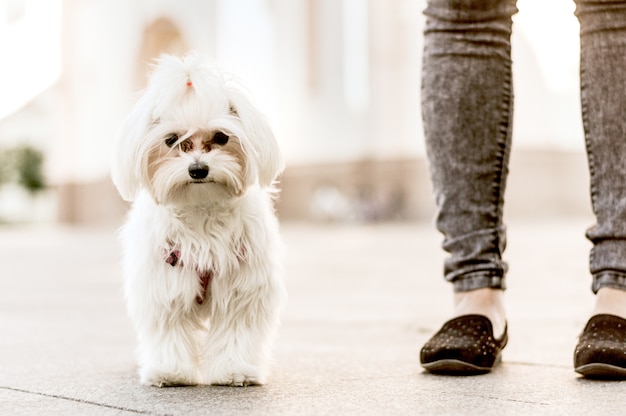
198,170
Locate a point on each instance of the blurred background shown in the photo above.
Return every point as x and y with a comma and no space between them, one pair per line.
339,80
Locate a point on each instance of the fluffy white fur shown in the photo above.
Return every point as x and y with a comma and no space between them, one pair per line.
223,223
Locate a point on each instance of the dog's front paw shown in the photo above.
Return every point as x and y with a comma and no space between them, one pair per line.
237,380
236,375
160,379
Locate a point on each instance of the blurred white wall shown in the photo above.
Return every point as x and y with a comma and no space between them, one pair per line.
545,72
339,79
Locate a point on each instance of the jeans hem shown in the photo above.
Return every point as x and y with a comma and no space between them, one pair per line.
612,279
476,281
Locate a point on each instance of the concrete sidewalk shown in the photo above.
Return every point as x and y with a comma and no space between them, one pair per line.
363,299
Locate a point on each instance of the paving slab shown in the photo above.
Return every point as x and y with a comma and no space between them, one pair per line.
362,300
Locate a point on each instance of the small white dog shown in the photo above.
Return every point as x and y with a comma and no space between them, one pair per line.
202,262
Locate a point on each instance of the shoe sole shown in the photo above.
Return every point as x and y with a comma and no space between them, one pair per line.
457,367
601,370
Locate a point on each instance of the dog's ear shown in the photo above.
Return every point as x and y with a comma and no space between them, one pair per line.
260,144
128,167
166,84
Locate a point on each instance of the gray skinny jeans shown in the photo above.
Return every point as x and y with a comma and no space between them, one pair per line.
467,106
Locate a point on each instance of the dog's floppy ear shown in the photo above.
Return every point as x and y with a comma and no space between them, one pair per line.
263,150
131,150
128,167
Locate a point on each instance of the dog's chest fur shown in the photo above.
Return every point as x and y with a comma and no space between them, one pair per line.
209,239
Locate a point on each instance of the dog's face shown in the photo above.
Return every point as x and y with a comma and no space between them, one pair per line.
195,160
193,138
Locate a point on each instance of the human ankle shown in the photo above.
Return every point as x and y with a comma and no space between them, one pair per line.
610,301
485,301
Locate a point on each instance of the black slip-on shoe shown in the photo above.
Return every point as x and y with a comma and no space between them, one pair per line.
601,349
463,346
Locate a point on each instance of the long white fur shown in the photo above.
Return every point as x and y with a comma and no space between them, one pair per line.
226,225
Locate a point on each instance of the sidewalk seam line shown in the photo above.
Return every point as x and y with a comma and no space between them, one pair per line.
73,399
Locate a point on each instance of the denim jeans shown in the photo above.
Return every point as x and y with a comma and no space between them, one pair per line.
467,106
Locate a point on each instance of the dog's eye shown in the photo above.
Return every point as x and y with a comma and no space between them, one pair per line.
220,138
171,140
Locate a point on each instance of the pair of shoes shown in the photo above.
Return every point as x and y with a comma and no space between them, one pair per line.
463,346
601,349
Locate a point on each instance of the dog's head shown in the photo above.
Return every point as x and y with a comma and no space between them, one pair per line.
193,136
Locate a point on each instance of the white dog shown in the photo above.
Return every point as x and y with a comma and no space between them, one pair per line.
202,263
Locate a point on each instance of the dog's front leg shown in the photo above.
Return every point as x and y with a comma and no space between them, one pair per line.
167,346
241,333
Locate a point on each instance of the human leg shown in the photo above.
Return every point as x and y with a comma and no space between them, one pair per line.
603,82
467,110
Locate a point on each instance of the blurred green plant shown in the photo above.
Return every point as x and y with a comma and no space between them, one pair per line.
5,167
24,165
